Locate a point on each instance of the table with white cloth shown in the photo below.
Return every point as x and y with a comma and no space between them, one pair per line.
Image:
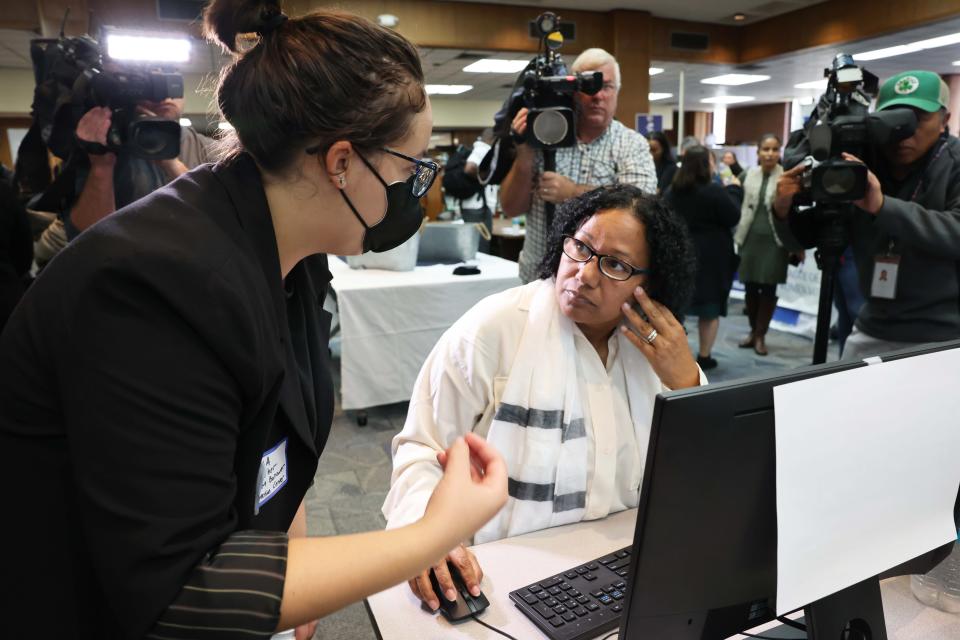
512,563
390,320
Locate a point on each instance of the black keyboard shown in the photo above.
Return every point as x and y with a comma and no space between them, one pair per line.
581,603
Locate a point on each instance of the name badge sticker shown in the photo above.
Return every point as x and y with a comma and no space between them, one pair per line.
272,475
884,283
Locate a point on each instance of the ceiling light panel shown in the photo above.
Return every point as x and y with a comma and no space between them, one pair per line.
653,97
492,65
910,47
727,99
147,48
820,85
735,79
447,89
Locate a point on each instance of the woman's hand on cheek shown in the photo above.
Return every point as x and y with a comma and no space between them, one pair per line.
667,351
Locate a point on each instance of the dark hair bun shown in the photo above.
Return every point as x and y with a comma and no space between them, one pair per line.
224,20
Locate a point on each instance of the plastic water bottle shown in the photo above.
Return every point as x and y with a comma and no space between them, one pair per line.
940,587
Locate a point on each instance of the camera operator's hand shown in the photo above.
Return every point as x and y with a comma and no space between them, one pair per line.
556,188
789,185
519,127
93,127
873,199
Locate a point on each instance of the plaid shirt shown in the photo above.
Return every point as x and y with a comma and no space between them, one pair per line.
619,156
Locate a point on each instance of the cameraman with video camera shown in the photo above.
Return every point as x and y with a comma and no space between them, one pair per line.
114,180
606,153
905,230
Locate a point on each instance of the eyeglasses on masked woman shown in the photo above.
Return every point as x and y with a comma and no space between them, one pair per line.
423,175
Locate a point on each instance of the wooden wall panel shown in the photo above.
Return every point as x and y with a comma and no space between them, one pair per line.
838,21
747,124
724,42
631,48
471,25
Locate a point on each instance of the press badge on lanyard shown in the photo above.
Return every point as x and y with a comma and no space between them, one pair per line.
885,267
272,475
884,284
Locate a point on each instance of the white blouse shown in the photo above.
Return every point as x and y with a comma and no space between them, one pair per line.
459,389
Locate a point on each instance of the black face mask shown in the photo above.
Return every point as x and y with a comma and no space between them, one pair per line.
401,220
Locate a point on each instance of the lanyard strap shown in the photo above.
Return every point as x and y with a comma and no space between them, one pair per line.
941,146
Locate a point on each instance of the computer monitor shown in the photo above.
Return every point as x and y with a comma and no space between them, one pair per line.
705,548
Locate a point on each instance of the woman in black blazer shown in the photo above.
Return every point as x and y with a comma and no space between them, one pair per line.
165,389
711,212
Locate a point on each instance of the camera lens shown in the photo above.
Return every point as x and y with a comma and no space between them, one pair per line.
149,140
550,127
839,181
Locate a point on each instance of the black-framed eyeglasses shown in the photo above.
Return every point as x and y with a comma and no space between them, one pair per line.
610,266
425,173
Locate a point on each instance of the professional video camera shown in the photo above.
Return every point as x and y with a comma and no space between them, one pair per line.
71,78
841,124
548,90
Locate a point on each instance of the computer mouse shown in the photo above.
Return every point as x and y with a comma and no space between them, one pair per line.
466,270
465,605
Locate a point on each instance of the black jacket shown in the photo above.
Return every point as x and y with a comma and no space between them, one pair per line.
711,212
142,378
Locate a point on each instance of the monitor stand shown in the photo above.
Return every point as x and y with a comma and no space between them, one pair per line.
856,613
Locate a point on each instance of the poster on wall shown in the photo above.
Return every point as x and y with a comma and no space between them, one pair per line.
648,123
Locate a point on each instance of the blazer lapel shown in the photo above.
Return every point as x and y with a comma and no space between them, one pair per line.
245,187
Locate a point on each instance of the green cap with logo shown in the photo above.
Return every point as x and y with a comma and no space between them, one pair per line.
924,90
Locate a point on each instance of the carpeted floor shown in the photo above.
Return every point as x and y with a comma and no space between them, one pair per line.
354,471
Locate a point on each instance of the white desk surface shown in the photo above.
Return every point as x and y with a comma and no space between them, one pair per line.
348,280
515,562
390,320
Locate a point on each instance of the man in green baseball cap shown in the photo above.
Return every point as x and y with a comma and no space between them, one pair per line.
927,95
905,232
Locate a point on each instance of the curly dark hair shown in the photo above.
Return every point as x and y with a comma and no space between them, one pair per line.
672,257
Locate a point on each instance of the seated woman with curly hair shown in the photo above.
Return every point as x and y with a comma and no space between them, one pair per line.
559,375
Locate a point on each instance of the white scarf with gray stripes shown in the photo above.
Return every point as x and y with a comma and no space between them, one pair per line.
539,427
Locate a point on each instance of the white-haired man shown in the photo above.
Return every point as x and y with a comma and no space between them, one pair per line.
606,153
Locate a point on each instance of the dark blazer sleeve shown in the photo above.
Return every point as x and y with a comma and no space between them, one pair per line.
156,500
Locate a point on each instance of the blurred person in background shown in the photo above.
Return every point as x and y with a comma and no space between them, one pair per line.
730,159
663,159
763,254
710,211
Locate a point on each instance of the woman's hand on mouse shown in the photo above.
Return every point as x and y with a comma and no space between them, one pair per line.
471,492
465,562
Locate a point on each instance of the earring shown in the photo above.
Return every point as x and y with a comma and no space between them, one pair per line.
343,182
